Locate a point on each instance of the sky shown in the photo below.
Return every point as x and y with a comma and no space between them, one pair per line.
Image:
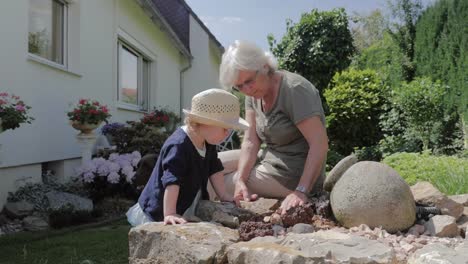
253,20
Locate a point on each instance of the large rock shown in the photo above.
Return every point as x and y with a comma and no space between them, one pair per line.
374,194
58,200
442,226
440,254
320,247
460,198
335,174
425,193
187,243
261,206
225,213
18,210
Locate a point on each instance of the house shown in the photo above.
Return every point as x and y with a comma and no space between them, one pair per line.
131,55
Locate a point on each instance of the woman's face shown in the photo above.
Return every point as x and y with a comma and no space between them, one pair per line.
251,83
213,134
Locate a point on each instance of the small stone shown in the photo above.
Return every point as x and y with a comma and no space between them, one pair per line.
409,248
302,228
276,219
364,227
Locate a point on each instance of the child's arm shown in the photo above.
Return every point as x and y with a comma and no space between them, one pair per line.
217,181
169,207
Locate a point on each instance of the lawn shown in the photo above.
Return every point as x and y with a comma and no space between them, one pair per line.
105,244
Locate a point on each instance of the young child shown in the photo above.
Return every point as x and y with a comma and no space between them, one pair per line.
188,159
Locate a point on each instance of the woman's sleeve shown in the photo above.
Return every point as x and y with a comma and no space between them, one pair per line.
304,102
173,165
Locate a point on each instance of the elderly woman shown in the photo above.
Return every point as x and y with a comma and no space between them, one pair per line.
285,114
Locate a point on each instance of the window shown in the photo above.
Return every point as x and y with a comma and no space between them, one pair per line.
134,76
47,29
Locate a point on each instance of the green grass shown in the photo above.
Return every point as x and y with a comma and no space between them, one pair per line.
447,173
107,244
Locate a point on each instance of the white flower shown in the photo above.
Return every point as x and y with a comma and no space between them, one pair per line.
88,177
114,167
130,177
113,177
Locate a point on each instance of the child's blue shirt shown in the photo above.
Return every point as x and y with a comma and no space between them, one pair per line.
179,163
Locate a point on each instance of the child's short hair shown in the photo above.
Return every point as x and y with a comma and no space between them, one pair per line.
191,123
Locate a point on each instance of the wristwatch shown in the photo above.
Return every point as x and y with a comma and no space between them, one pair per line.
301,189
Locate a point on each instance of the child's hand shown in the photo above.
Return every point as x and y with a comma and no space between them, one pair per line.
174,219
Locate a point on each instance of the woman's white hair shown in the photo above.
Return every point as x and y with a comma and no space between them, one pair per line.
243,55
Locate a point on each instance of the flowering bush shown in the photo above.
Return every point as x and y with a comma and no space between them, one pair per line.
112,128
159,117
110,177
13,111
89,111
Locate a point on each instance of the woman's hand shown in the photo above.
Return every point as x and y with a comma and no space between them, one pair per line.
241,192
174,219
293,199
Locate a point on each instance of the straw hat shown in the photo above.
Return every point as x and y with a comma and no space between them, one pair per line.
216,107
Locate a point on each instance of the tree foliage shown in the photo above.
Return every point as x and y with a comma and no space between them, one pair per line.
355,99
368,29
383,56
422,104
406,13
442,49
316,47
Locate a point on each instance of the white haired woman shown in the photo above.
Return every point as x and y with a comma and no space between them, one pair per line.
285,113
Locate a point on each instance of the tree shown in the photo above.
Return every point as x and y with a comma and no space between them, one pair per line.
441,51
368,29
316,47
383,56
403,31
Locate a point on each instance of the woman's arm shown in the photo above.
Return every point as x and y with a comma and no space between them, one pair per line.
170,204
316,136
248,157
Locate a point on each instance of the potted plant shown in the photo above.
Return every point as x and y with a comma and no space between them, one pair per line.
88,115
161,118
13,112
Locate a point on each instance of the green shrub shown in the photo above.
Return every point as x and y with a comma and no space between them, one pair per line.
421,102
333,158
447,173
355,99
68,216
139,137
372,153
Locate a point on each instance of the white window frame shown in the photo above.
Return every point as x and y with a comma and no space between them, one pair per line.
64,64
143,78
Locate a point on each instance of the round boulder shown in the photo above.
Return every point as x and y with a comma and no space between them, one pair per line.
335,174
373,194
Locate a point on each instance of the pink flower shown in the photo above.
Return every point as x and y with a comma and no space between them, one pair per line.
83,101
20,108
4,94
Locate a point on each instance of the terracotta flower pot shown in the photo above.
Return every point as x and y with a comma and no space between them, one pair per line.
84,128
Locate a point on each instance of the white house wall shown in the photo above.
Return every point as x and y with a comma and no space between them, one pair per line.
205,66
50,91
